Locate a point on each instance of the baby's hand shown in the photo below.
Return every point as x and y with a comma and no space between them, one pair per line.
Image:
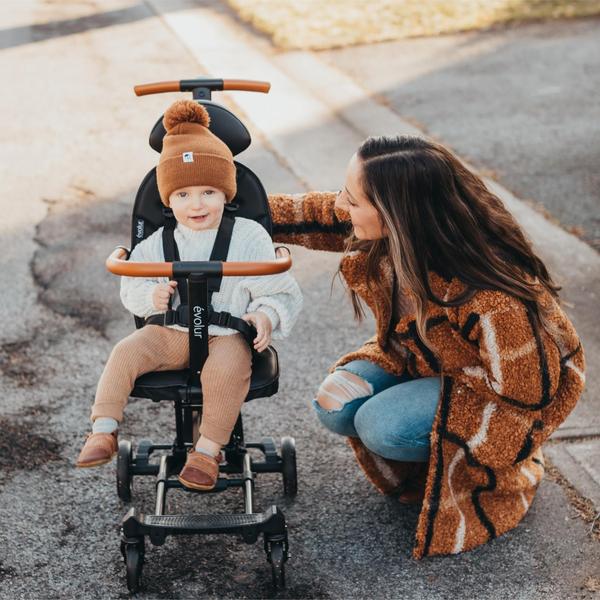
264,329
161,294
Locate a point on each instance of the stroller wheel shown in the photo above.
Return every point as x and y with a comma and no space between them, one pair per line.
133,553
288,466
277,559
124,475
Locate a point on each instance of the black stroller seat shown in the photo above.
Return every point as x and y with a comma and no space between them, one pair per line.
173,385
183,387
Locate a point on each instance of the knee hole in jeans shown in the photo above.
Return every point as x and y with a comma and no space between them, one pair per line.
341,387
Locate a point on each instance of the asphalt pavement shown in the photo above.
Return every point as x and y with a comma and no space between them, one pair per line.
74,151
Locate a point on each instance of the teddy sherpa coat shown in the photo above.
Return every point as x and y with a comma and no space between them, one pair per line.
505,389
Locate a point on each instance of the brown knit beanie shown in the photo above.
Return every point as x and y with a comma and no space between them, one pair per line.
191,154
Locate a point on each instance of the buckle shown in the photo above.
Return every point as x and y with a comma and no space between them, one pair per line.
179,316
223,319
182,316
169,318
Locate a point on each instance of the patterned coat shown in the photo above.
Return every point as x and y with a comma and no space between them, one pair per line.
505,389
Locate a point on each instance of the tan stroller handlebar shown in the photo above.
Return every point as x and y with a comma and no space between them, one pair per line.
187,85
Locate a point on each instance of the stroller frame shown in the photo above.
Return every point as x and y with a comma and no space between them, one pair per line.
239,465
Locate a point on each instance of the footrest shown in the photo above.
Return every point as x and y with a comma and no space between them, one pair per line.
158,527
204,523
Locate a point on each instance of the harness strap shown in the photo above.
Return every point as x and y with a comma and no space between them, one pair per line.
219,252
180,316
171,253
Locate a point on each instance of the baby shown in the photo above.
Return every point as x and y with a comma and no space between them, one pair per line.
196,178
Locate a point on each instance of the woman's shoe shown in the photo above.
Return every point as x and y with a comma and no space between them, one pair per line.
412,496
99,449
413,491
200,471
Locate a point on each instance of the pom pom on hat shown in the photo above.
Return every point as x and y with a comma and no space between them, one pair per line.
185,111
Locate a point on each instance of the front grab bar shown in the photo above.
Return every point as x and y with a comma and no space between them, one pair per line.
117,264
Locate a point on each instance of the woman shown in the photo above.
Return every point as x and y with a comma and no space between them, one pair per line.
474,363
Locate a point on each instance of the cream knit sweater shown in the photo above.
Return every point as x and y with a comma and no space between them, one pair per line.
278,296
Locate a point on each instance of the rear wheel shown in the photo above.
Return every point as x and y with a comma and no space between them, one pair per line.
277,567
124,474
133,554
288,466
277,555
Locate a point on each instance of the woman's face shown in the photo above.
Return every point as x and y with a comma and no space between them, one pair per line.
365,217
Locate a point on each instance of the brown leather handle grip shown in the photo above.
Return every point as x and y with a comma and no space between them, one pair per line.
271,267
117,264
246,85
159,87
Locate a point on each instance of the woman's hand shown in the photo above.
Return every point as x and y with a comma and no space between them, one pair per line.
282,252
161,295
264,328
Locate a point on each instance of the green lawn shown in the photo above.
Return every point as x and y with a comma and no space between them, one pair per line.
322,24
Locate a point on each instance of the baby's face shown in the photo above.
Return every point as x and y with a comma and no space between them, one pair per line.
198,206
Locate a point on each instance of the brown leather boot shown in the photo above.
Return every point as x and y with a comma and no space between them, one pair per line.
200,471
99,448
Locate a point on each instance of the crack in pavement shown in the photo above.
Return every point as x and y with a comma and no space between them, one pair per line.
15,363
584,508
68,266
20,448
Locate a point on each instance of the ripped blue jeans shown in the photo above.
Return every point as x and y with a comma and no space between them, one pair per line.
392,415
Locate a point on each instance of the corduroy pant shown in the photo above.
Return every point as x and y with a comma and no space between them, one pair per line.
225,377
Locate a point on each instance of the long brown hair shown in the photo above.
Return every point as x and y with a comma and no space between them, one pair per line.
439,216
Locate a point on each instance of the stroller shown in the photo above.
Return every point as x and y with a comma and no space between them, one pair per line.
197,281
